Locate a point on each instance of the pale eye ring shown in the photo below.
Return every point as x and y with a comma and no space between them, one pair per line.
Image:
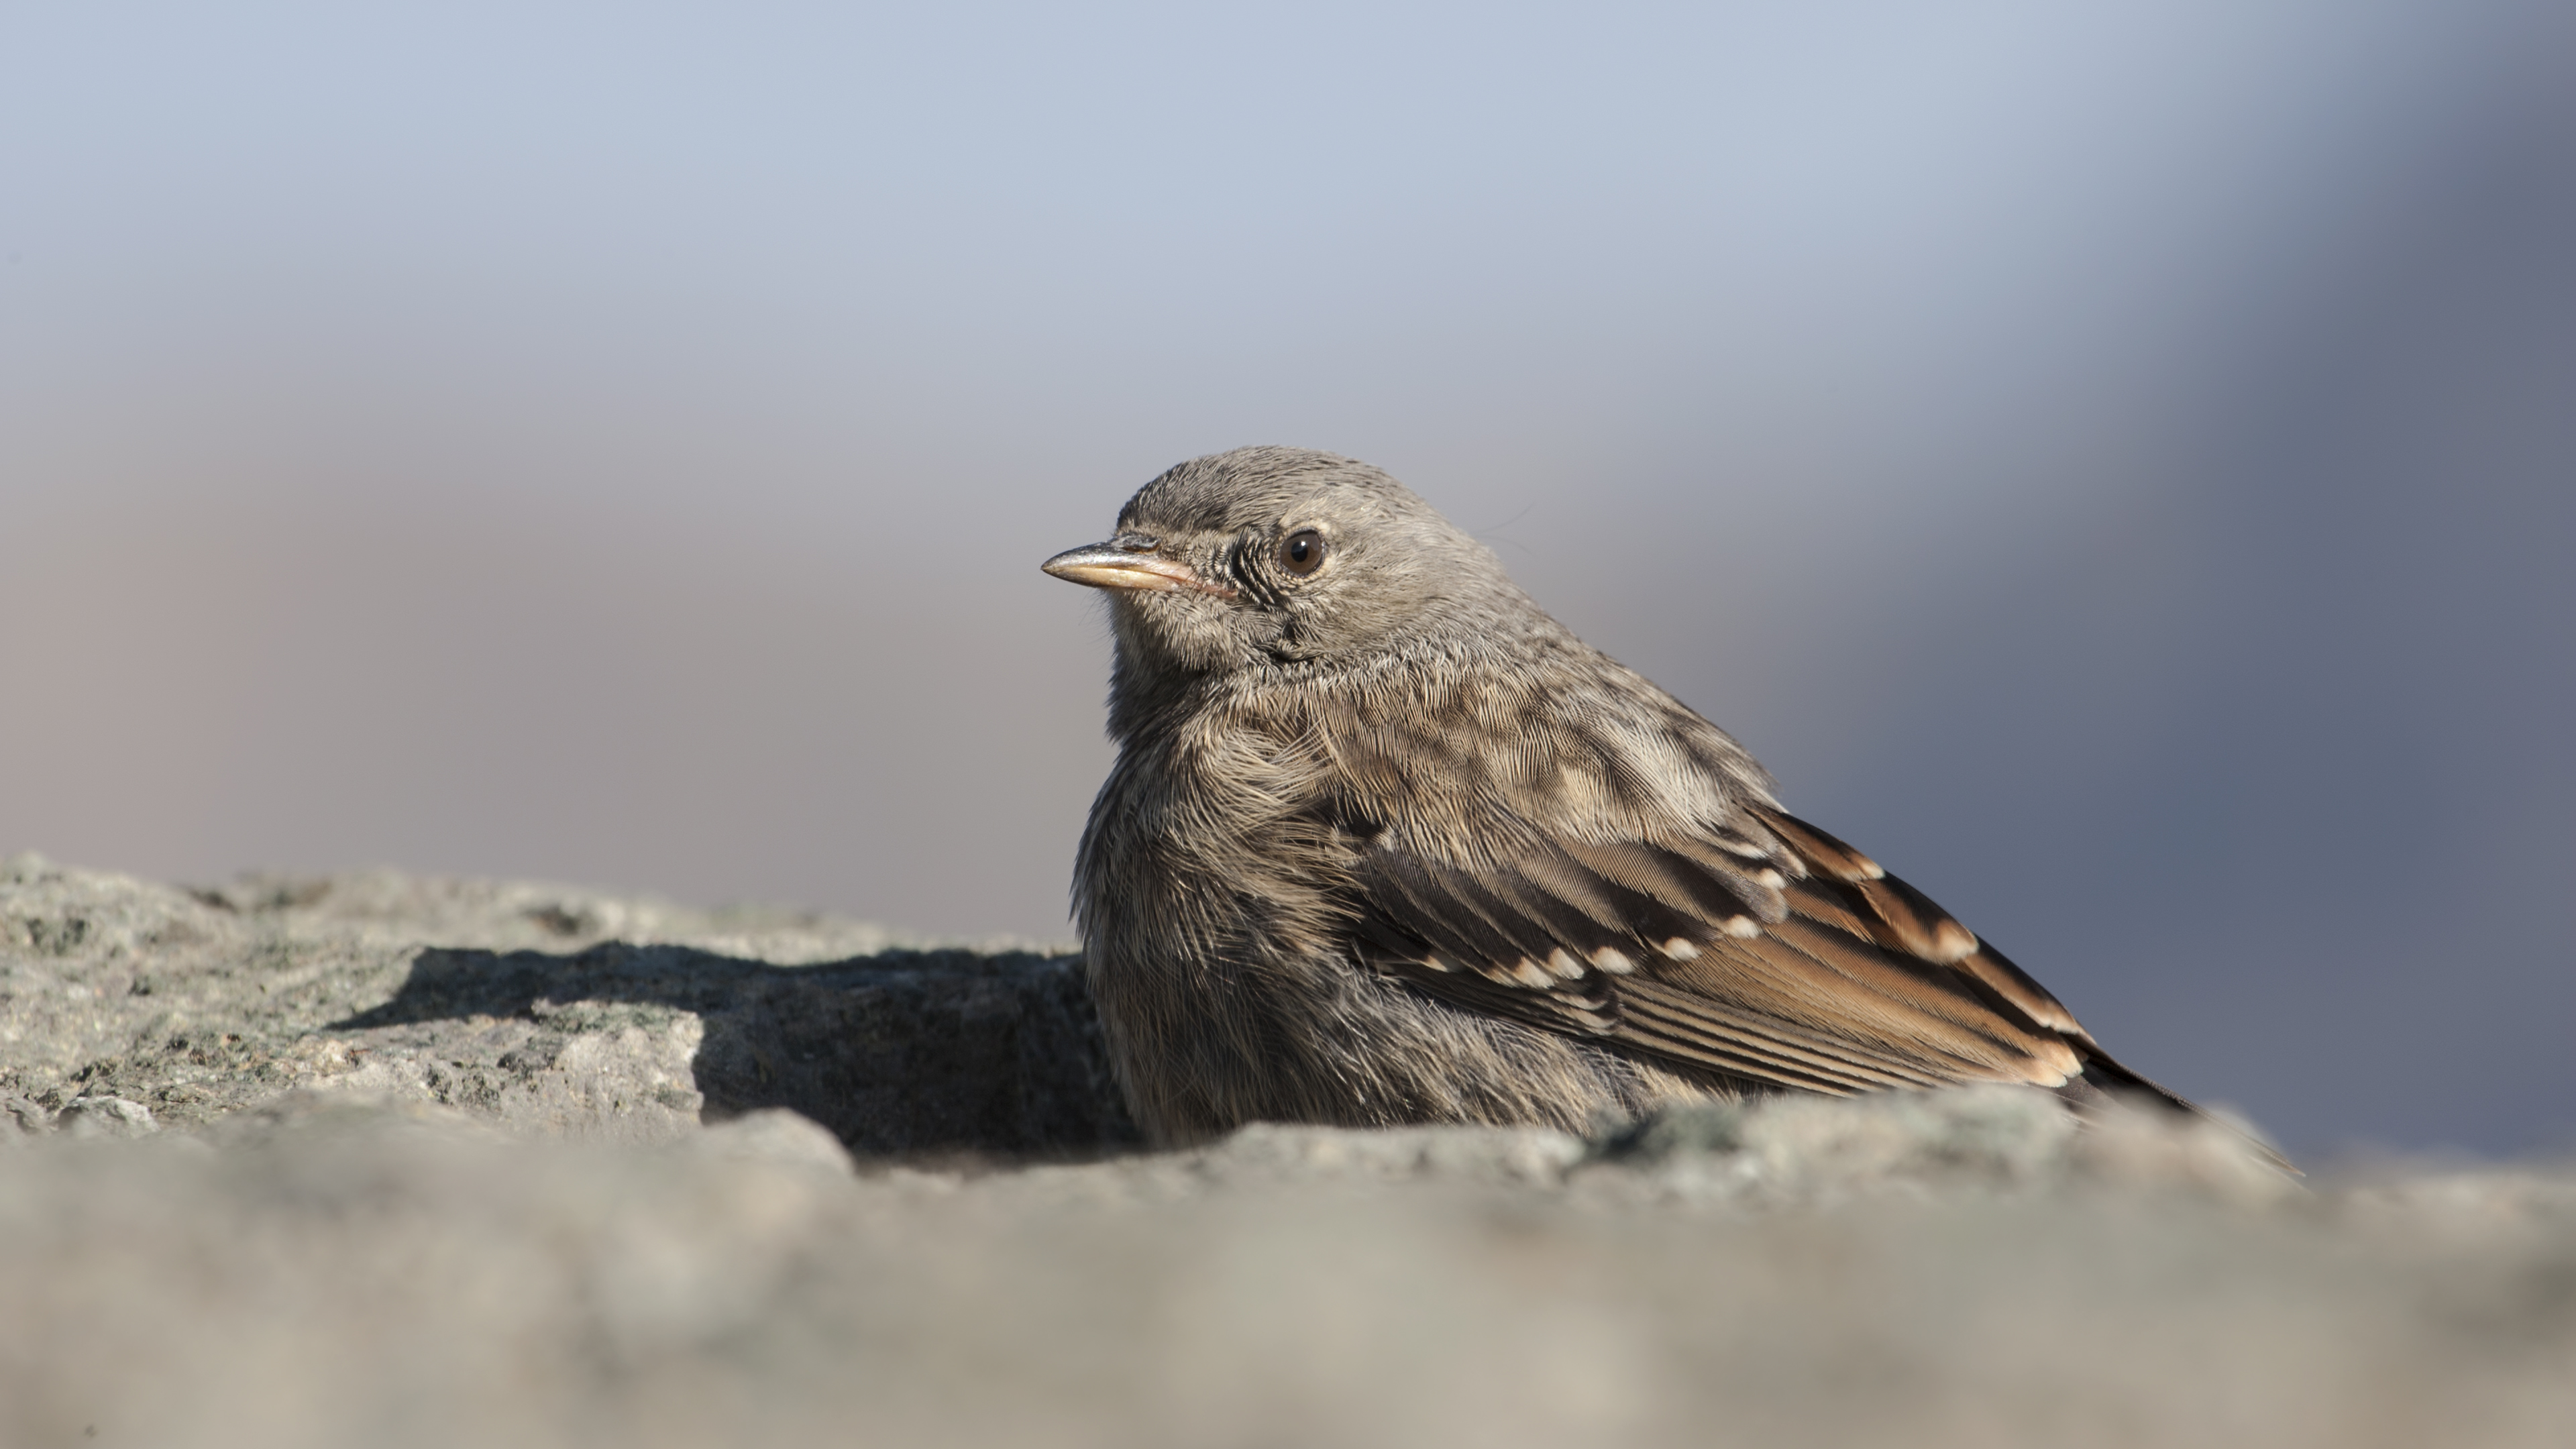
1302,552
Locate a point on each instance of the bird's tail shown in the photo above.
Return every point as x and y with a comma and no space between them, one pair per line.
2105,1081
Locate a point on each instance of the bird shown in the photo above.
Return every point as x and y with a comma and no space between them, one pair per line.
1384,843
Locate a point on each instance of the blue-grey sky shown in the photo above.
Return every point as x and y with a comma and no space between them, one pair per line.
2117,464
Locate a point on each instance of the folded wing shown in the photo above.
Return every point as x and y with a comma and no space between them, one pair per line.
1774,956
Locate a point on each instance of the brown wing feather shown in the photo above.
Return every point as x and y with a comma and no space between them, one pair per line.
1813,970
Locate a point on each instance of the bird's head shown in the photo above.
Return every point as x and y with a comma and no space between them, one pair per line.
1267,557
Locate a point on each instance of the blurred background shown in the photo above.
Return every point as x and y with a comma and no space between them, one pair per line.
2116,464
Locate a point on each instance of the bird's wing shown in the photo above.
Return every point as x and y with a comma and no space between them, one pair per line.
1776,957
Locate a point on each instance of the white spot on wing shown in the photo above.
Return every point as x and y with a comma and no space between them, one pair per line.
1564,965
1680,949
1527,972
1609,959
1740,927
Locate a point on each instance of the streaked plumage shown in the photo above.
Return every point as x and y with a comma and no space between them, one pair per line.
1385,843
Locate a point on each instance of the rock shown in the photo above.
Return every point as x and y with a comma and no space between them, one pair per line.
408,1274
105,1117
774,1134
452,1162
22,1118
554,1012
1981,1141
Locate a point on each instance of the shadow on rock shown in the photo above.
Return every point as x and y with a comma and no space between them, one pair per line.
907,1052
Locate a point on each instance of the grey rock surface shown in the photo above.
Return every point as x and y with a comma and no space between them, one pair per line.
393,1162
555,1012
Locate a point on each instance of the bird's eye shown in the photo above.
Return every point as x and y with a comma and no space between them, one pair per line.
1302,552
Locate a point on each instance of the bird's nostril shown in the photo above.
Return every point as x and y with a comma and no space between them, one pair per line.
1136,542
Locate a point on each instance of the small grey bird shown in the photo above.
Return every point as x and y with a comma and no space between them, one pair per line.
1385,843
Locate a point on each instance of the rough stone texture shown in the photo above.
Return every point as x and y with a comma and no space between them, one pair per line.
388,1162
556,1012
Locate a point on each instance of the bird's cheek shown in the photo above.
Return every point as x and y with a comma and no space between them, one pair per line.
1182,630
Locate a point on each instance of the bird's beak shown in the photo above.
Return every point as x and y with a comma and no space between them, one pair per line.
1107,566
